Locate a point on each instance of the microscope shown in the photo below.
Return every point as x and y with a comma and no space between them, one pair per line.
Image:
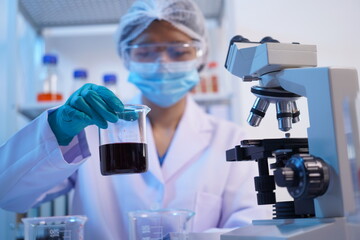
321,172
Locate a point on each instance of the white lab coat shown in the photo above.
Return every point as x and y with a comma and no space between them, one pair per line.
194,175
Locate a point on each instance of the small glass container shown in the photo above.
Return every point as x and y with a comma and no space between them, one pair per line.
123,147
54,228
160,224
50,80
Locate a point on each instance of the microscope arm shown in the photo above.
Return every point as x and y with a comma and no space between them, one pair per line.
331,94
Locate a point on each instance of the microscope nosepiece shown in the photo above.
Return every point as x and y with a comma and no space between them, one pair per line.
258,111
287,112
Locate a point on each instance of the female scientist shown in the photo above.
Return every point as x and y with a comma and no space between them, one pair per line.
163,45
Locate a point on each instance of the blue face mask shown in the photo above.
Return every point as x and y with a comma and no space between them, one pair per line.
164,83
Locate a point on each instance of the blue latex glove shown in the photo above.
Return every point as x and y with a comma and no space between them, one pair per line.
90,104
128,115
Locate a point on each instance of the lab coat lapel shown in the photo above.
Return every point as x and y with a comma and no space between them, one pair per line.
154,168
192,136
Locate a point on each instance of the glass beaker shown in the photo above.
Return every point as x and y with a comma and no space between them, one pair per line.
159,224
123,147
54,228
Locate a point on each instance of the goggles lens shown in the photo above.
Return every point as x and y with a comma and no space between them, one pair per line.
153,52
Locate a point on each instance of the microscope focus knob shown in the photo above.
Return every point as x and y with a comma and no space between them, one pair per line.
305,176
285,177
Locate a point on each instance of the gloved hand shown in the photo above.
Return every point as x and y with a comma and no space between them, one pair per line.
90,104
128,115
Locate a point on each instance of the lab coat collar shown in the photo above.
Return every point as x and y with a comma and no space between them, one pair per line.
192,136
154,169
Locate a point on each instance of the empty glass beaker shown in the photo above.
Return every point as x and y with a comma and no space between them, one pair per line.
160,224
54,228
123,146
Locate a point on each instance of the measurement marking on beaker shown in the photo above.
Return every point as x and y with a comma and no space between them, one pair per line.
145,229
156,232
54,232
67,234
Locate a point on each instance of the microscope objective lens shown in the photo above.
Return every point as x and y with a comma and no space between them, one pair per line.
258,111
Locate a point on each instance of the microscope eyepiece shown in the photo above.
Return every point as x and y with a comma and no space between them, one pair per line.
268,39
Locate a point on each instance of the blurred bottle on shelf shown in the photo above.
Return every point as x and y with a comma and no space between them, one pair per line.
80,78
203,83
213,78
209,80
50,80
110,81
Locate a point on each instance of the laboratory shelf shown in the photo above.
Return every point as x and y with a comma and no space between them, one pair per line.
31,111
54,13
212,98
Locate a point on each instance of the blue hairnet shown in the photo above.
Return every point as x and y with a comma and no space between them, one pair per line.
182,14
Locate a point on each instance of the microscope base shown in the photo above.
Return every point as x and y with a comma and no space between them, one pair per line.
296,229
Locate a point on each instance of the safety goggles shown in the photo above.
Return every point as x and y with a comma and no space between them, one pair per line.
153,52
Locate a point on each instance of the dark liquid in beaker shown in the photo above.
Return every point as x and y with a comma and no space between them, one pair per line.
120,158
